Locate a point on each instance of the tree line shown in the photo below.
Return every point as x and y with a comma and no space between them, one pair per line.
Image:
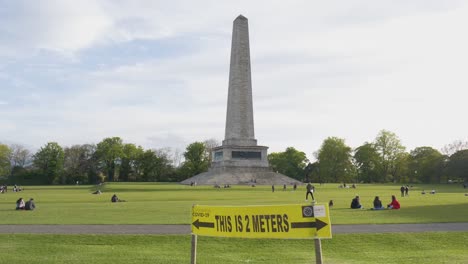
109,160
383,160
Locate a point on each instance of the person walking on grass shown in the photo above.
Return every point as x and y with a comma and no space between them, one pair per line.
310,190
402,190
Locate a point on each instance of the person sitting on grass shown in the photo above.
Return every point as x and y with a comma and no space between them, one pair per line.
20,204
30,205
394,204
377,204
115,199
356,204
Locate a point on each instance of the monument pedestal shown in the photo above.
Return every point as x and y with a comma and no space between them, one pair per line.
240,156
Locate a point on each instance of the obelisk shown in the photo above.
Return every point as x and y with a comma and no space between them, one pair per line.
239,116
239,160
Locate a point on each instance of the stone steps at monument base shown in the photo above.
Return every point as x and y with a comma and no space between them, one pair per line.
244,176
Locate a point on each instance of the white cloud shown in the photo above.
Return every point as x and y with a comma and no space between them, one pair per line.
319,69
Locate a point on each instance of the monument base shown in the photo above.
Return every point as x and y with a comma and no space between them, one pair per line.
240,176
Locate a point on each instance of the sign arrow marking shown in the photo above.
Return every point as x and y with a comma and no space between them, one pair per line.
317,224
199,224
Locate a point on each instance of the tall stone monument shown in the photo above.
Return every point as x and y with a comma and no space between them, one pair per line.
239,160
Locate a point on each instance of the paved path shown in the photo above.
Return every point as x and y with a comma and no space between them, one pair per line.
185,229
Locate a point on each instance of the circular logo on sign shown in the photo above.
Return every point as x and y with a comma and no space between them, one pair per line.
307,211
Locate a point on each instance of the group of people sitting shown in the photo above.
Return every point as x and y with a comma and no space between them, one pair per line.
4,188
29,205
394,204
432,192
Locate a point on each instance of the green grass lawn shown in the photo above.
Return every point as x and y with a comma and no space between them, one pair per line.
155,203
414,248
149,203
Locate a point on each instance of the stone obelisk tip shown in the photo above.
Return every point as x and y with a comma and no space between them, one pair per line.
241,17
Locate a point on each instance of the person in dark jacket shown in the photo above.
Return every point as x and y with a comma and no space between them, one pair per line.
355,203
30,205
114,198
402,190
378,204
310,190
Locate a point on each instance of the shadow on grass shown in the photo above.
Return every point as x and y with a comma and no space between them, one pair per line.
437,213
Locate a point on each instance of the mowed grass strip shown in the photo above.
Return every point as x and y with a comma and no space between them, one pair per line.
159,203
434,247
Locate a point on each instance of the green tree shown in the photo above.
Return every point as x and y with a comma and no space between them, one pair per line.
457,166
49,162
367,162
312,172
389,147
196,159
110,152
400,171
334,158
155,166
128,168
426,165
5,165
291,162
79,164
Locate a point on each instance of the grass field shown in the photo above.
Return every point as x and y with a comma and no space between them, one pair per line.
415,248
154,203
151,203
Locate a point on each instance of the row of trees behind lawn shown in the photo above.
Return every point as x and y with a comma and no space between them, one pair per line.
109,160
383,160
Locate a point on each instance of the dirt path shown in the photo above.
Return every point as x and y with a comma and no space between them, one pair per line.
185,229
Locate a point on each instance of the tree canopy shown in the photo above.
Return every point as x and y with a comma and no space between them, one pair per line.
291,162
112,159
334,158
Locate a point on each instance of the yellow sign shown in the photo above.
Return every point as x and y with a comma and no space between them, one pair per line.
275,221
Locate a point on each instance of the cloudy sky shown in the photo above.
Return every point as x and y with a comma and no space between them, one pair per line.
155,73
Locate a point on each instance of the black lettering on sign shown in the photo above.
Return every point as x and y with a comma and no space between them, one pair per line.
286,223
223,223
238,220
256,223
268,223
273,224
247,226
279,221
262,223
